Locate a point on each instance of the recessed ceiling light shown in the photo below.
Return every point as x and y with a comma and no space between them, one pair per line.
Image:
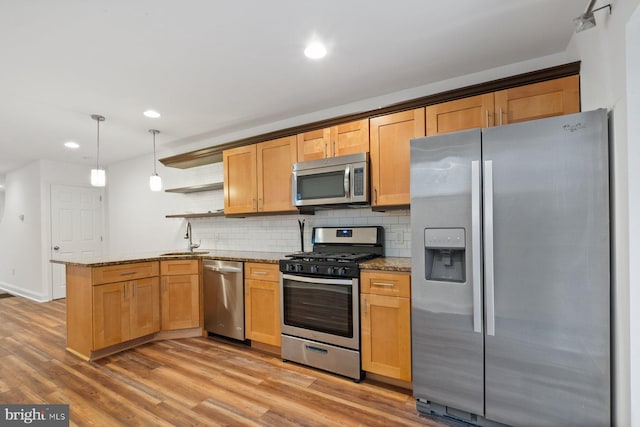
152,114
315,50
71,144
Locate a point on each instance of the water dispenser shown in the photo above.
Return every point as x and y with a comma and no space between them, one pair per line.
444,254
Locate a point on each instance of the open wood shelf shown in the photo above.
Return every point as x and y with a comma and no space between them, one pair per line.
196,188
197,215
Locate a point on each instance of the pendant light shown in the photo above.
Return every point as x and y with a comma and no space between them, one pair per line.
98,176
155,182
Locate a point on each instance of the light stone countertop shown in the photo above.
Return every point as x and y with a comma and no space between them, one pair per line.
387,264
382,263
225,255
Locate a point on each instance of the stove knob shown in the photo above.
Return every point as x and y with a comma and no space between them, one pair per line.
331,270
299,268
314,269
342,271
289,267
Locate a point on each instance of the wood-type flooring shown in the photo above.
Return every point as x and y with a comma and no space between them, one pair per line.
185,382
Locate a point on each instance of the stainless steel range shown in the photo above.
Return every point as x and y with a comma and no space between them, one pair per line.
320,298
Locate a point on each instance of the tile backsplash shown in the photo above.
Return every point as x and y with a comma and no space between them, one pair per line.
279,233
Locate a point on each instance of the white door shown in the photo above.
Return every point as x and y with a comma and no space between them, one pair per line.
76,228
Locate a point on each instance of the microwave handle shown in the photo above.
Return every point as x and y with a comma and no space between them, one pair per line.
347,185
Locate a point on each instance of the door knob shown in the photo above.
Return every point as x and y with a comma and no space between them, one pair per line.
56,248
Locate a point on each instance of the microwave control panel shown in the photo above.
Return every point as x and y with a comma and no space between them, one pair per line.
358,182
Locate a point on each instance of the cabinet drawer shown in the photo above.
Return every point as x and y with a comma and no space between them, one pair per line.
179,266
261,271
386,283
122,272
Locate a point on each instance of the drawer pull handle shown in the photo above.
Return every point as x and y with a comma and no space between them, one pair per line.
128,273
261,273
316,349
383,284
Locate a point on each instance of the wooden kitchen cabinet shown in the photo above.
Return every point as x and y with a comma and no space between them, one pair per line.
460,114
385,299
339,140
390,157
110,307
528,102
180,294
262,303
124,311
257,178
538,100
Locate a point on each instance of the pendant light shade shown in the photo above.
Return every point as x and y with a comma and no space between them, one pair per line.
155,182
98,176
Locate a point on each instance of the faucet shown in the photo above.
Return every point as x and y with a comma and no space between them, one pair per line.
190,244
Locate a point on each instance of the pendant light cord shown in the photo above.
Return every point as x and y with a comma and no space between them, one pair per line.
154,153
98,118
154,132
98,144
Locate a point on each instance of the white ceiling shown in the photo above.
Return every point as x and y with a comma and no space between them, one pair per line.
212,67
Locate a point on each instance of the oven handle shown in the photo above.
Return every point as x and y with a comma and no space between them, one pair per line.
317,280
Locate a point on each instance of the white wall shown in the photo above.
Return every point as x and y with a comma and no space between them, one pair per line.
25,244
603,52
633,156
20,231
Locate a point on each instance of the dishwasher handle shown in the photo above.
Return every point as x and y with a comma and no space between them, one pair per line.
223,269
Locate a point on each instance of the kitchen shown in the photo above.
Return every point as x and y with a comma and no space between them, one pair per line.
127,185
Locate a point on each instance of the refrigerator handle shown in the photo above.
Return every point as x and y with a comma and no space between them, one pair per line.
488,248
476,254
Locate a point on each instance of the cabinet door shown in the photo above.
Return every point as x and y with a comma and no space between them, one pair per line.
145,307
350,138
467,113
386,336
180,302
240,185
313,145
111,314
390,136
275,160
262,311
538,100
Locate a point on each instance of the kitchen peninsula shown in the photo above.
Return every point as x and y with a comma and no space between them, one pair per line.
116,302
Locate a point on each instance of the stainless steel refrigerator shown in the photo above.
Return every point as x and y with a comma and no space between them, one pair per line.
510,273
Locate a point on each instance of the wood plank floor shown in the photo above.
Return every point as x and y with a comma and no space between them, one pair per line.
194,381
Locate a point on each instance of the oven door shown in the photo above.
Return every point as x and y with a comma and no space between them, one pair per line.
321,309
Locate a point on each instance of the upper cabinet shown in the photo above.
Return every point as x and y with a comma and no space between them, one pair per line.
528,102
257,177
390,136
538,100
460,114
339,140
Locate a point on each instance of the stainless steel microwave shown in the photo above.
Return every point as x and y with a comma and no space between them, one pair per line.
335,180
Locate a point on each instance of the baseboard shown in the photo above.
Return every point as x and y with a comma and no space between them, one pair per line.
18,292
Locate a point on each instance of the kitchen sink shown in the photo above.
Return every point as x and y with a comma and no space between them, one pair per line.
185,253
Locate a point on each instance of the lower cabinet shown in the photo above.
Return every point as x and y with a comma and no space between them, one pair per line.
124,311
180,294
386,323
262,303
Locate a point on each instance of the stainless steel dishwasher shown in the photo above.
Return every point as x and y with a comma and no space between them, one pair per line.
224,298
